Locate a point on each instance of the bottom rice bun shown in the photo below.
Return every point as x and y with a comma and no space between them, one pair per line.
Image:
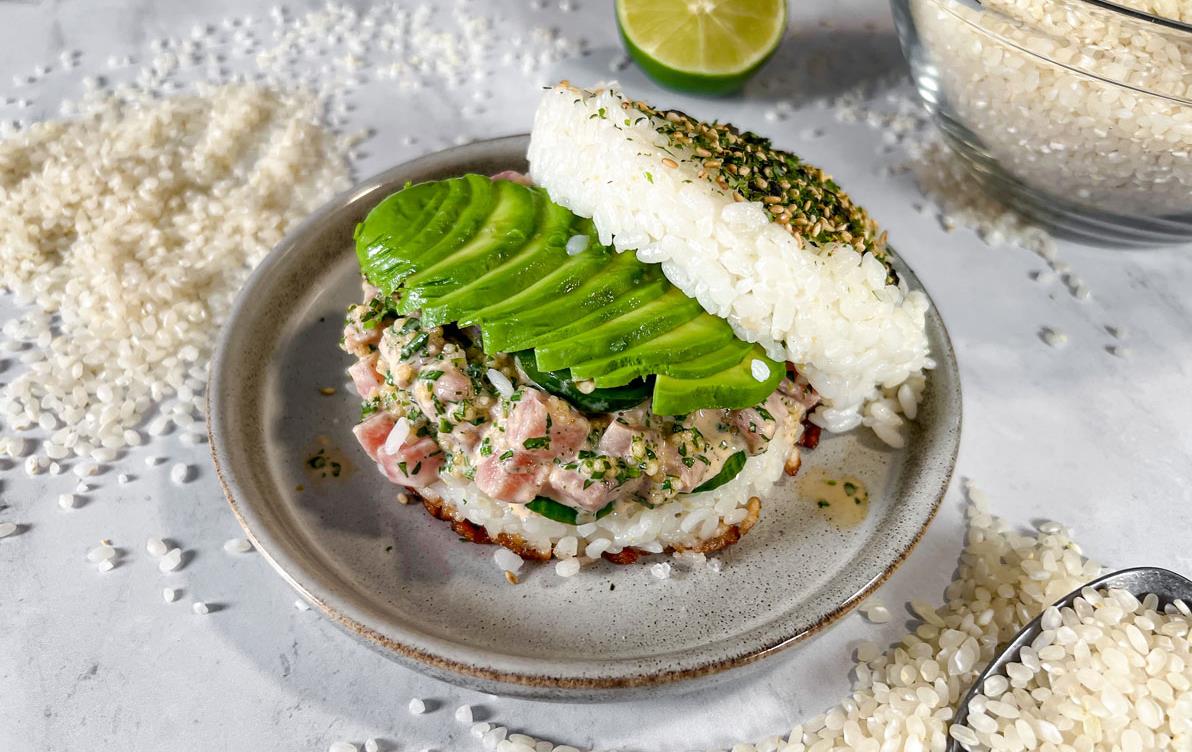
541,386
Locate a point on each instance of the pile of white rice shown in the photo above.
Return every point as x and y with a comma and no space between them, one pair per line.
860,341
684,522
1083,127
1108,672
128,231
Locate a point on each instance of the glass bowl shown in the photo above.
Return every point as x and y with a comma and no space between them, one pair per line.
1077,113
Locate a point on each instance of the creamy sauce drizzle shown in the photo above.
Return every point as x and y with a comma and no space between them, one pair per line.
842,500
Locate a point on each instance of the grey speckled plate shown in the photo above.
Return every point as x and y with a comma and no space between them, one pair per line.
403,583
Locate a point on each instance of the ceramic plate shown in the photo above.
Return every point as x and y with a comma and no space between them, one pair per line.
404,584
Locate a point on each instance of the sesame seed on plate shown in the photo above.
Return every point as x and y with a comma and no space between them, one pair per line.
200,608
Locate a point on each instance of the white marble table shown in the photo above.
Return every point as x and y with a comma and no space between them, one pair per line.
98,661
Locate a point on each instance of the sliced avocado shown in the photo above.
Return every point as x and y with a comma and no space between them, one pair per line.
633,298
621,333
697,337
569,276
501,235
455,220
392,223
551,317
706,365
734,388
545,251
456,223
476,252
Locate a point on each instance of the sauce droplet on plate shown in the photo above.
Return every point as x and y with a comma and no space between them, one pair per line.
842,500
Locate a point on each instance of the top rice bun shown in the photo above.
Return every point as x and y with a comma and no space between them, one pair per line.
830,309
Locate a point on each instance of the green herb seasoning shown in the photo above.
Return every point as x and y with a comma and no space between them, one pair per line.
798,196
324,465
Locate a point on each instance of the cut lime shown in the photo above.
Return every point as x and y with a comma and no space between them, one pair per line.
701,46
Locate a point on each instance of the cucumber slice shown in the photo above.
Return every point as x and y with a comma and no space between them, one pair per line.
731,468
597,401
553,510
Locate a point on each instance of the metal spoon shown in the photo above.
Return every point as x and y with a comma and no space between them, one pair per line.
1139,581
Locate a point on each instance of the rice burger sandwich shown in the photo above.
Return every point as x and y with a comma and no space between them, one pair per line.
621,353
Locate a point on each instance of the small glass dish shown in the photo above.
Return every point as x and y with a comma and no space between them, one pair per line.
1077,113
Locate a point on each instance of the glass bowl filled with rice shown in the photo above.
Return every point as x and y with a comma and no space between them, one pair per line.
1078,113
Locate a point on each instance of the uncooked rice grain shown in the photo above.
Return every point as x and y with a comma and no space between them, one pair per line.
170,561
1104,680
1077,136
128,231
237,546
180,473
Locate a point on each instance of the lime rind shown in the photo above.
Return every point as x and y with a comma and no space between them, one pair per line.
675,51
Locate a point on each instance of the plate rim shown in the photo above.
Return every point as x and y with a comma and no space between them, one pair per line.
524,683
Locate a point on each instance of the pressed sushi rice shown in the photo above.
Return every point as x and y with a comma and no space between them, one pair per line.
857,338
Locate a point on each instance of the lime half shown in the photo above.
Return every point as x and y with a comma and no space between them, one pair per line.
701,46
